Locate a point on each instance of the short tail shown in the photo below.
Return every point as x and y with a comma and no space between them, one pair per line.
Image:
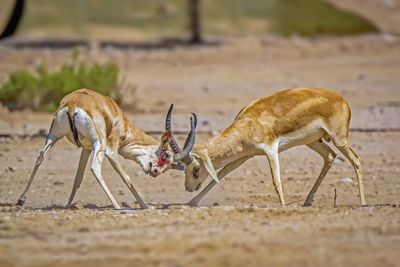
71,119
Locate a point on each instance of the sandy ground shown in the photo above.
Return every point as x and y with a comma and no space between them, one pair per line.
240,222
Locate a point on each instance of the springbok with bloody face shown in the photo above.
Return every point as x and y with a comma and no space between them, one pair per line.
293,117
96,123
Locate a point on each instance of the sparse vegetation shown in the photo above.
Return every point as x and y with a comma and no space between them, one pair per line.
43,89
316,17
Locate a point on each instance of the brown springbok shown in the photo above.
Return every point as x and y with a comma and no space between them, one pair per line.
293,117
96,123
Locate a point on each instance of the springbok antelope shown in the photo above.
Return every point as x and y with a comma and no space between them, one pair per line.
293,117
96,123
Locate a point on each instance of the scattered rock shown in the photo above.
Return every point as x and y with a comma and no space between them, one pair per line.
11,169
345,180
340,159
214,133
77,206
83,229
58,183
205,123
125,205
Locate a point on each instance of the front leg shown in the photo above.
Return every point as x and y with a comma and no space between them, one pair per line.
221,174
98,156
273,159
112,157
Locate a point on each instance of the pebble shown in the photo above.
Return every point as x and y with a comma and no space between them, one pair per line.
345,180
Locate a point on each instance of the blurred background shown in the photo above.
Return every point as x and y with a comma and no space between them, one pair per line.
186,49
140,20
211,57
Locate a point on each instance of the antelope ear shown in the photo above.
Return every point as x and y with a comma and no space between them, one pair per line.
210,168
165,138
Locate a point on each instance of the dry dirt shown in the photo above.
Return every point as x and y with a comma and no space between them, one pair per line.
240,222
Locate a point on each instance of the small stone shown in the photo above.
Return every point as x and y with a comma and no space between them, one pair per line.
340,159
345,180
77,206
206,123
11,169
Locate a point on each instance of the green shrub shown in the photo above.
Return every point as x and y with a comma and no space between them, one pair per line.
43,89
316,17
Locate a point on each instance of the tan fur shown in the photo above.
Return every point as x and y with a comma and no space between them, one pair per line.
298,116
96,123
268,118
119,130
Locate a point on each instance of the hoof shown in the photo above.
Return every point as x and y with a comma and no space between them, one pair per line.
21,202
192,204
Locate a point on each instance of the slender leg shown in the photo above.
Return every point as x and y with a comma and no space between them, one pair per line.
355,161
98,156
273,159
125,177
329,156
79,174
50,141
221,174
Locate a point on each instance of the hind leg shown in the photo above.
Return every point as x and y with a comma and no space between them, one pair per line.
355,161
79,174
50,141
59,128
329,156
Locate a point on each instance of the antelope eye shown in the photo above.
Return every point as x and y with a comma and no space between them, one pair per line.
196,172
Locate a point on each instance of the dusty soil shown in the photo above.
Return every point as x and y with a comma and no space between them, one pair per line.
240,222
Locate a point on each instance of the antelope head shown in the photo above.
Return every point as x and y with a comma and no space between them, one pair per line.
176,159
197,166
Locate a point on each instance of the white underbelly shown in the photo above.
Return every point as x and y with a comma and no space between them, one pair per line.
302,136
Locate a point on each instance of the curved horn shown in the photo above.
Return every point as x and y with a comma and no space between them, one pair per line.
174,145
189,143
191,129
